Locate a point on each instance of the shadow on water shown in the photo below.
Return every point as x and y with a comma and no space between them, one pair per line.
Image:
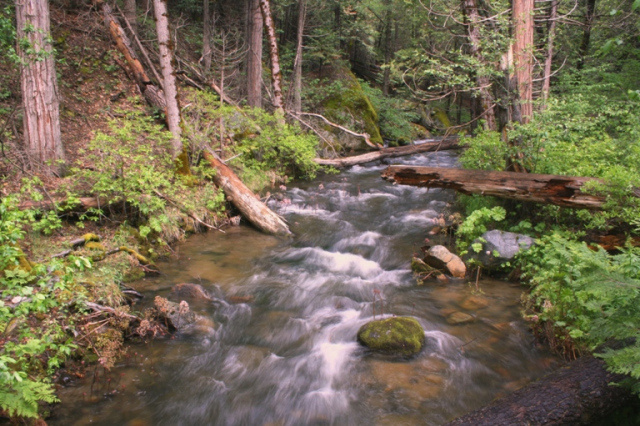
278,343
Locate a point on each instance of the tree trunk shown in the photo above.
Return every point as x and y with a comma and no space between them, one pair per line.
549,189
586,34
168,75
254,210
151,93
276,75
523,55
484,83
551,35
130,15
39,85
576,394
436,145
254,59
388,51
206,36
295,97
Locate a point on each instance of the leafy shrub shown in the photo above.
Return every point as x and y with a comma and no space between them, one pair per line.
32,294
256,141
477,224
589,297
132,166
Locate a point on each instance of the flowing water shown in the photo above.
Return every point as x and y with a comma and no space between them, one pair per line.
277,346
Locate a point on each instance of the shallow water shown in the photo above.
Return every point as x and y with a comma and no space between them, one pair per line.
288,355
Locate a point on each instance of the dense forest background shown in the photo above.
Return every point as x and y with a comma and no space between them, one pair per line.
127,119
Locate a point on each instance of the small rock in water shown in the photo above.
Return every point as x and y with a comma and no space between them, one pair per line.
395,336
441,258
189,291
458,318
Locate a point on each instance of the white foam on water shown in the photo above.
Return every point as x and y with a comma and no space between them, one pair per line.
337,262
369,239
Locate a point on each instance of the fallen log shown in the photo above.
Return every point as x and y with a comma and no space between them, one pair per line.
575,394
254,210
562,191
430,145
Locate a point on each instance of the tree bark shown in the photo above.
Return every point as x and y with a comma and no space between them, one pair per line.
484,83
295,97
276,75
548,61
254,210
522,12
576,394
254,59
437,145
549,189
151,93
586,34
168,75
206,36
39,86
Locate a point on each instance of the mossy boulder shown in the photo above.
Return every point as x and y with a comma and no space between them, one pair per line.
394,336
351,108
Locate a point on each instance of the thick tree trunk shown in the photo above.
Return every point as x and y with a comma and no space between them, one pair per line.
254,210
576,394
436,145
39,85
550,189
484,83
548,61
168,75
276,75
254,58
523,55
386,75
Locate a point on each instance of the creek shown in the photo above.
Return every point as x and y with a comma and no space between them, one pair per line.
277,346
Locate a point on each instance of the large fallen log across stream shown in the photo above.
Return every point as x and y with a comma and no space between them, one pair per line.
562,191
429,145
575,394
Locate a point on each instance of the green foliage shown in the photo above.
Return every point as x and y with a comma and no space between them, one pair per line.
32,294
8,34
477,224
588,130
394,115
263,148
133,167
593,295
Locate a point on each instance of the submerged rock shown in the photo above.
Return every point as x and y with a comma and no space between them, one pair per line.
457,318
499,247
395,336
190,291
441,258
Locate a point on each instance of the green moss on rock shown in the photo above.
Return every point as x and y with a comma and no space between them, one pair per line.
354,104
395,336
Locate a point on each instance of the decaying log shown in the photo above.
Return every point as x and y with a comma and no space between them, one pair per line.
56,203
254,210
550,189
575,394
151,93
429,145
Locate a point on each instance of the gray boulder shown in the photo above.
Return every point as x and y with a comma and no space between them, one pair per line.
499,247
